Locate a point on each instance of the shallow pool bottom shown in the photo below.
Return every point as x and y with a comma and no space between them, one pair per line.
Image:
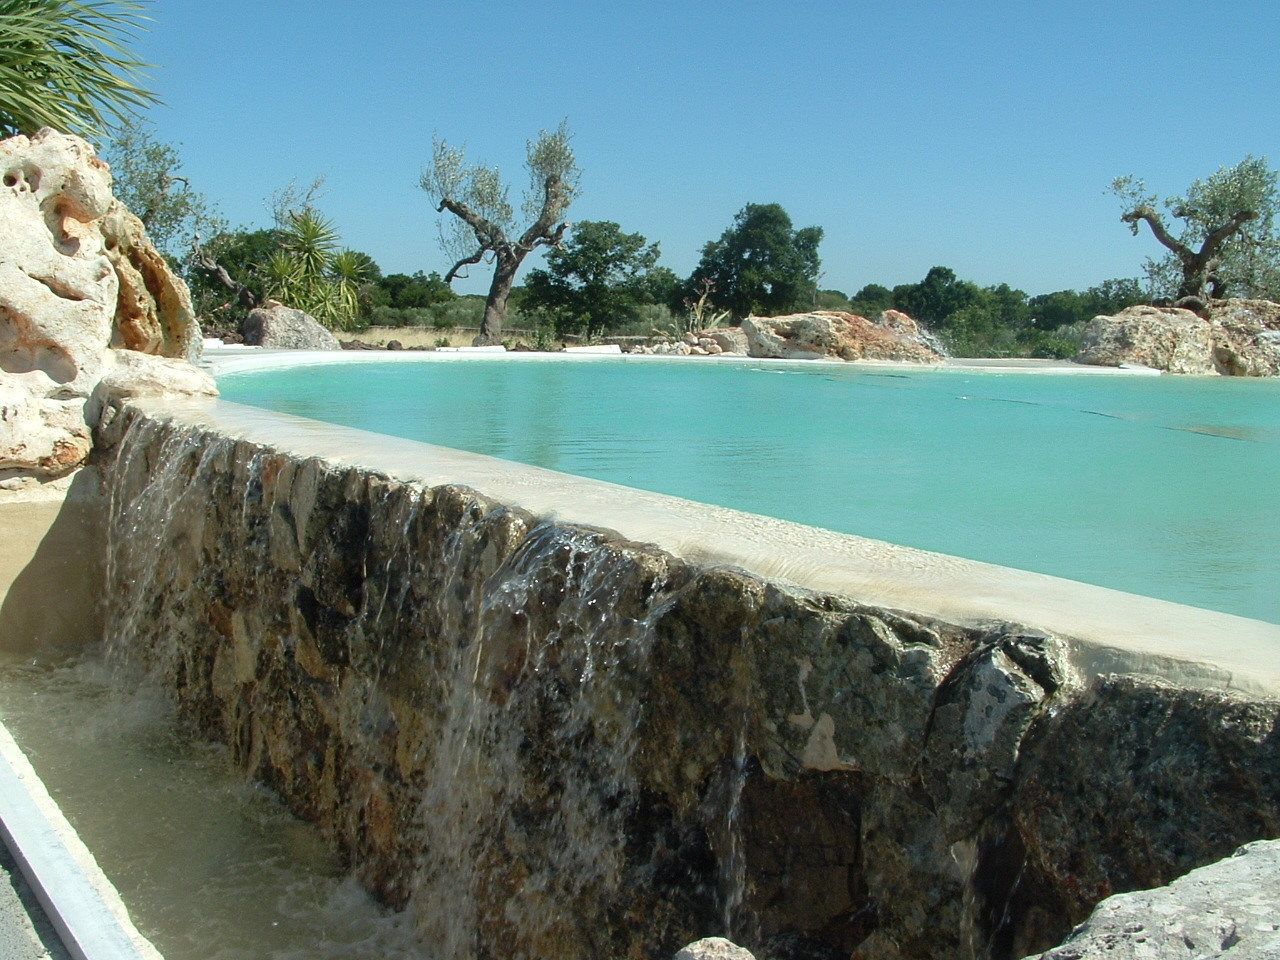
210,865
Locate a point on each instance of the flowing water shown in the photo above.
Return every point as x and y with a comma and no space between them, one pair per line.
1155,485
210,866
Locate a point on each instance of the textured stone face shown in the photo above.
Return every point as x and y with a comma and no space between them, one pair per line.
830,334
277,327
77,276
1237,338
547,741
1227,909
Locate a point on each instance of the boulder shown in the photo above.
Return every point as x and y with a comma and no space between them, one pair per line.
1236,337
714,948
1166,338
1247,337
78,276
836,335
1229,908
728,339
277,327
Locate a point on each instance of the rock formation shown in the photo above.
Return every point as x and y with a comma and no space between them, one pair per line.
1228,909
277,327
77,279
834,335
1234,338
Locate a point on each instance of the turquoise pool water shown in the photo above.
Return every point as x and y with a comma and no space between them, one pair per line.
1156,485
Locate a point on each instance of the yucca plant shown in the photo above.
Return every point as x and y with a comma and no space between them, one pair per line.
350,271
66,64
311,240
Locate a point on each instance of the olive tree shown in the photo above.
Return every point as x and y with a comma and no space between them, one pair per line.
482,227
147,178
1225,243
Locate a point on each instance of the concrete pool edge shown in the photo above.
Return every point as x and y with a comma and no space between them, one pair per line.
1108,631
82,904
253,359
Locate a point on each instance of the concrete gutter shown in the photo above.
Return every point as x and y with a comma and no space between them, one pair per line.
1108,631
78,899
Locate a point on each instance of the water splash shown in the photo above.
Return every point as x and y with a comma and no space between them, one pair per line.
733,862
524,817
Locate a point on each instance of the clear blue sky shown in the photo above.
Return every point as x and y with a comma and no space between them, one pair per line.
979,135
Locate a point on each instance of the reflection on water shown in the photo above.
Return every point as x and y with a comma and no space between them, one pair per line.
211,866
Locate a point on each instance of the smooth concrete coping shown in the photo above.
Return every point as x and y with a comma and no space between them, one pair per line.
1108,631
78,899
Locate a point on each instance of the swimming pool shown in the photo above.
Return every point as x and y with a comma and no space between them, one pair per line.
1155,485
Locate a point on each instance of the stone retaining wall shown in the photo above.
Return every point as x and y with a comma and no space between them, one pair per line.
550,742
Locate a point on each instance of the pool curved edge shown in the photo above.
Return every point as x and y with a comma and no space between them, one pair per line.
1107,631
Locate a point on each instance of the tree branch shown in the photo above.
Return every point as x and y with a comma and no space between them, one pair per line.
487,232
553,202
1216,238
218,274
1158,230
465,262
553,238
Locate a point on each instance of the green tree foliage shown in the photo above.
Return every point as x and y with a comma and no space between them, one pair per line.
940,294
403,291
831,300
66,64
147,178
761,264
594,280
1066,307
1000,321
1225,241
482,226
871,300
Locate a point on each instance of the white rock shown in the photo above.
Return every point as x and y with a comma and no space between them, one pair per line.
278,327
714,948
77,275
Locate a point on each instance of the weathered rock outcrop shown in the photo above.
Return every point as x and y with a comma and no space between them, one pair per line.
77,277
1228,909
833,335
549,741
1235,338
277,327
714,948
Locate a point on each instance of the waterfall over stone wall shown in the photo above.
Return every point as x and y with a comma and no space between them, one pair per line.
549,742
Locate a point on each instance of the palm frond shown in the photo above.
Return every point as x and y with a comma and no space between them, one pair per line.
66,64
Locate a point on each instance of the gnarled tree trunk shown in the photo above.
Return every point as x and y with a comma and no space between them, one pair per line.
495,306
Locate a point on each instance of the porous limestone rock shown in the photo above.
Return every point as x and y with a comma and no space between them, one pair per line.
1247,338
1235,338
153,308
714,948
77,276
1227,909
277,327
836,335
1166,338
